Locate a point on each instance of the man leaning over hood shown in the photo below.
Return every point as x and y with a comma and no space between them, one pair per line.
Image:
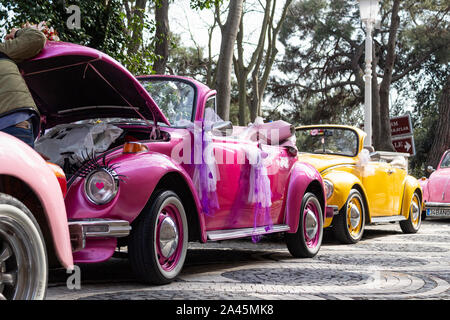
19,115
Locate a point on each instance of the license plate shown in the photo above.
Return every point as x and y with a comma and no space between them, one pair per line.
435,212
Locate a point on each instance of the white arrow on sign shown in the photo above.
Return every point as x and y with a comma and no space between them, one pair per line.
407,146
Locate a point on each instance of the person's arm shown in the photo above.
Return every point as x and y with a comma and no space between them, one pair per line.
26,44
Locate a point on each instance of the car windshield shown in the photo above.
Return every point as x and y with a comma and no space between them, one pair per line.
327,140
446,161
174,97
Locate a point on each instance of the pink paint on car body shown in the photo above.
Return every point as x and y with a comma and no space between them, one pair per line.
22,162
88,85
436,189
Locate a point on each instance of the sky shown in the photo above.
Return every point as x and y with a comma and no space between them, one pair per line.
192,25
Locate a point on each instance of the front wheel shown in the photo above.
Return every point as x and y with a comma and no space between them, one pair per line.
412,224
159,239
306,242
348,226
23,257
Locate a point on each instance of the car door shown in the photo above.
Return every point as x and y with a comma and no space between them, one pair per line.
232,185
279,162
377,180
399,173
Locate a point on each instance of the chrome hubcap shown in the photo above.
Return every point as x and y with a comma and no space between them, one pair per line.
168,237
8,275
355,215
415,210
312,226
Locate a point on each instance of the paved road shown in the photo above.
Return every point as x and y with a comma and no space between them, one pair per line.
386,264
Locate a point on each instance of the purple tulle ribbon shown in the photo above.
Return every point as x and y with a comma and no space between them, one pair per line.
205,172
260,193
254,189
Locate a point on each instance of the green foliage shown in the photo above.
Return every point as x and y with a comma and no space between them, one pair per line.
187,61
102,25
319,38
204,4
140,60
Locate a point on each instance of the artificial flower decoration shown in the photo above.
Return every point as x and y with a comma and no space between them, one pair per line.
50,32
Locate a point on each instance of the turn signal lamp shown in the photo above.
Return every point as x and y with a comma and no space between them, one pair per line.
134,147
59,173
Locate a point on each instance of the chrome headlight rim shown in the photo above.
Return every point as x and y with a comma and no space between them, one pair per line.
112,175
329,188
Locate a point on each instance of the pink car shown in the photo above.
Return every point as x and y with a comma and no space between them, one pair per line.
436,189
33,221
161,168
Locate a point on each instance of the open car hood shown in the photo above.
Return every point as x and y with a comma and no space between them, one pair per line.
70,82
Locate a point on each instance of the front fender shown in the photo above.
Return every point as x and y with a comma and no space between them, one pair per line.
20,161
343,182
411,185
140,174
302,177
424,185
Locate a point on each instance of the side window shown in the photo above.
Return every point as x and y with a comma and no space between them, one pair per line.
210,113
211,103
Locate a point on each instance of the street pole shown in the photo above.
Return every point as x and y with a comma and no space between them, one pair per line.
368,85
369,12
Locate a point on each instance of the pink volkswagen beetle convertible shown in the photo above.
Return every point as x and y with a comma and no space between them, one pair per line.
148,161
436,189
33,223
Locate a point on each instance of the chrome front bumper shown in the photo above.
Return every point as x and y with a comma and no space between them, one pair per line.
331,211
80,230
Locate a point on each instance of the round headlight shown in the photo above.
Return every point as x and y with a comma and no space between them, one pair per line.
329,188
100,187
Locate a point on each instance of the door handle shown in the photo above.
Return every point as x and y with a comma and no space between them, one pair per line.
390,171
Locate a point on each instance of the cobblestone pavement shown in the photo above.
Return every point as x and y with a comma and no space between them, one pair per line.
386,264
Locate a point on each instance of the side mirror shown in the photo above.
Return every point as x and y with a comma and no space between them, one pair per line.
222,128
430,169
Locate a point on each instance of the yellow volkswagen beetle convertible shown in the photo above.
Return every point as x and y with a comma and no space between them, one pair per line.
362,186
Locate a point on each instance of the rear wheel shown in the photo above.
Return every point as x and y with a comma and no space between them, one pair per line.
350,222
412,224
23,257
159,239
306,242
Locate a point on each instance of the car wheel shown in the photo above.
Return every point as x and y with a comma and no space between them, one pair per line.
159,239
350,222
412,224
306,242
23,257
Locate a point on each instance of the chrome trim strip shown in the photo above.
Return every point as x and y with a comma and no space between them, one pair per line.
387,219
244,232
338,166
437,204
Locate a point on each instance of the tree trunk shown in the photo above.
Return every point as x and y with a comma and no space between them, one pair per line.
385,125
259,82
241,73
162,36
224,64
376,130
441,140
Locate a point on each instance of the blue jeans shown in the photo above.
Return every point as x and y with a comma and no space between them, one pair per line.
26,135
